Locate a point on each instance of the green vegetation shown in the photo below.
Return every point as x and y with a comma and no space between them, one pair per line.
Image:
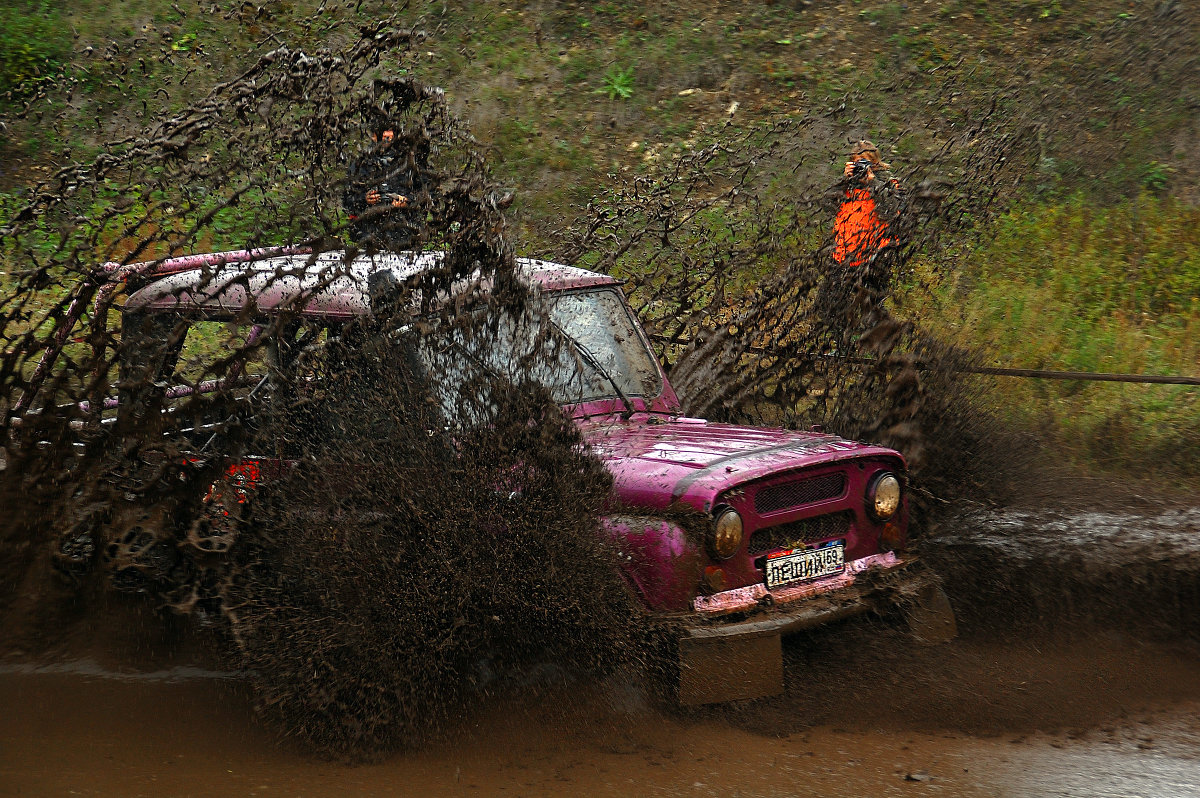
1096,267
618,83
32,47
1075,287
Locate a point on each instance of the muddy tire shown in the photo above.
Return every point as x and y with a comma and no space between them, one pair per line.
929,616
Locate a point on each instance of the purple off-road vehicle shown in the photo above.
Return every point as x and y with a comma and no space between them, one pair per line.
803,528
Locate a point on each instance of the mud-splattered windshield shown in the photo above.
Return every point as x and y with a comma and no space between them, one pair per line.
607,349
594,351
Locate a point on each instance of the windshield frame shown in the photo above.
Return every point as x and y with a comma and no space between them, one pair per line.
664,402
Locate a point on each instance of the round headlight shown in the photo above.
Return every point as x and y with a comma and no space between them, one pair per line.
883,497
727,534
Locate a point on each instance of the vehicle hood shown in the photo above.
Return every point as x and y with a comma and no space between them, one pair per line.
657,461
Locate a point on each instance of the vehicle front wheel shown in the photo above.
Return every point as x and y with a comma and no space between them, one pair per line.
929,615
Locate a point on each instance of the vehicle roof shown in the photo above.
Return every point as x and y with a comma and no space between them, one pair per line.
333,287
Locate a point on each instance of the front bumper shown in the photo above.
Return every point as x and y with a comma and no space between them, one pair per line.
864,584
730,647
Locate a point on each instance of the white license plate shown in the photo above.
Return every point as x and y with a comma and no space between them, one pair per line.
802,565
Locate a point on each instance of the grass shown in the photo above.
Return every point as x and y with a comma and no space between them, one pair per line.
1075,287
32,49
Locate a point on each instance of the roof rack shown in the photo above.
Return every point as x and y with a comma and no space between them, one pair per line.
186,263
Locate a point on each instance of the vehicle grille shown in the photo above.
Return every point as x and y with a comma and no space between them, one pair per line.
797,533
796,494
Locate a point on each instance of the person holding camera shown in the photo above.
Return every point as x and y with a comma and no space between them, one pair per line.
866,246
860,228
381,197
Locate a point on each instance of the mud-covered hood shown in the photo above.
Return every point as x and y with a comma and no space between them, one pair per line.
656,461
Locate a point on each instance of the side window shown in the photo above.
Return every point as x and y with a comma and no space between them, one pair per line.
331,380
172,364
207,345
150,347
455,367
293,353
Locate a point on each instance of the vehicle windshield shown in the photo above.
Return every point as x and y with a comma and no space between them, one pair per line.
609,350
596,354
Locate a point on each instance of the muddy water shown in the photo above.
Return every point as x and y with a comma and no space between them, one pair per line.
1086,701
1122,567
184,734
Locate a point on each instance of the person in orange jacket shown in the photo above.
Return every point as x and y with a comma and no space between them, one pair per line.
866,245
860,230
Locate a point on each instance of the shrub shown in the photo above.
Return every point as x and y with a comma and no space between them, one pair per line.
618,83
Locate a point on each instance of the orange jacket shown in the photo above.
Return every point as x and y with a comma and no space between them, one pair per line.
858,231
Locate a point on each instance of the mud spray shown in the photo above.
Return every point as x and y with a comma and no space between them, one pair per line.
371,588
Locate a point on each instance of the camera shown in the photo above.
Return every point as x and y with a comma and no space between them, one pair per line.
860,168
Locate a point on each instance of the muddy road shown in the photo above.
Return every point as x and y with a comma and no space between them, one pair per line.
72,734
1077,673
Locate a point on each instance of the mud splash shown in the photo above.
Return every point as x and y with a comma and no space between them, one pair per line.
364,631
370,608
730,256
391,559
1134,572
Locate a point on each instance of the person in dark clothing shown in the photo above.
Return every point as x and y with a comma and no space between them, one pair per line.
384,192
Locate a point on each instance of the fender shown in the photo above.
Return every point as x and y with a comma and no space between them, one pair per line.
656,556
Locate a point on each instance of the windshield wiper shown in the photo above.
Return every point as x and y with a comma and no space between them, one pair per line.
590,358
